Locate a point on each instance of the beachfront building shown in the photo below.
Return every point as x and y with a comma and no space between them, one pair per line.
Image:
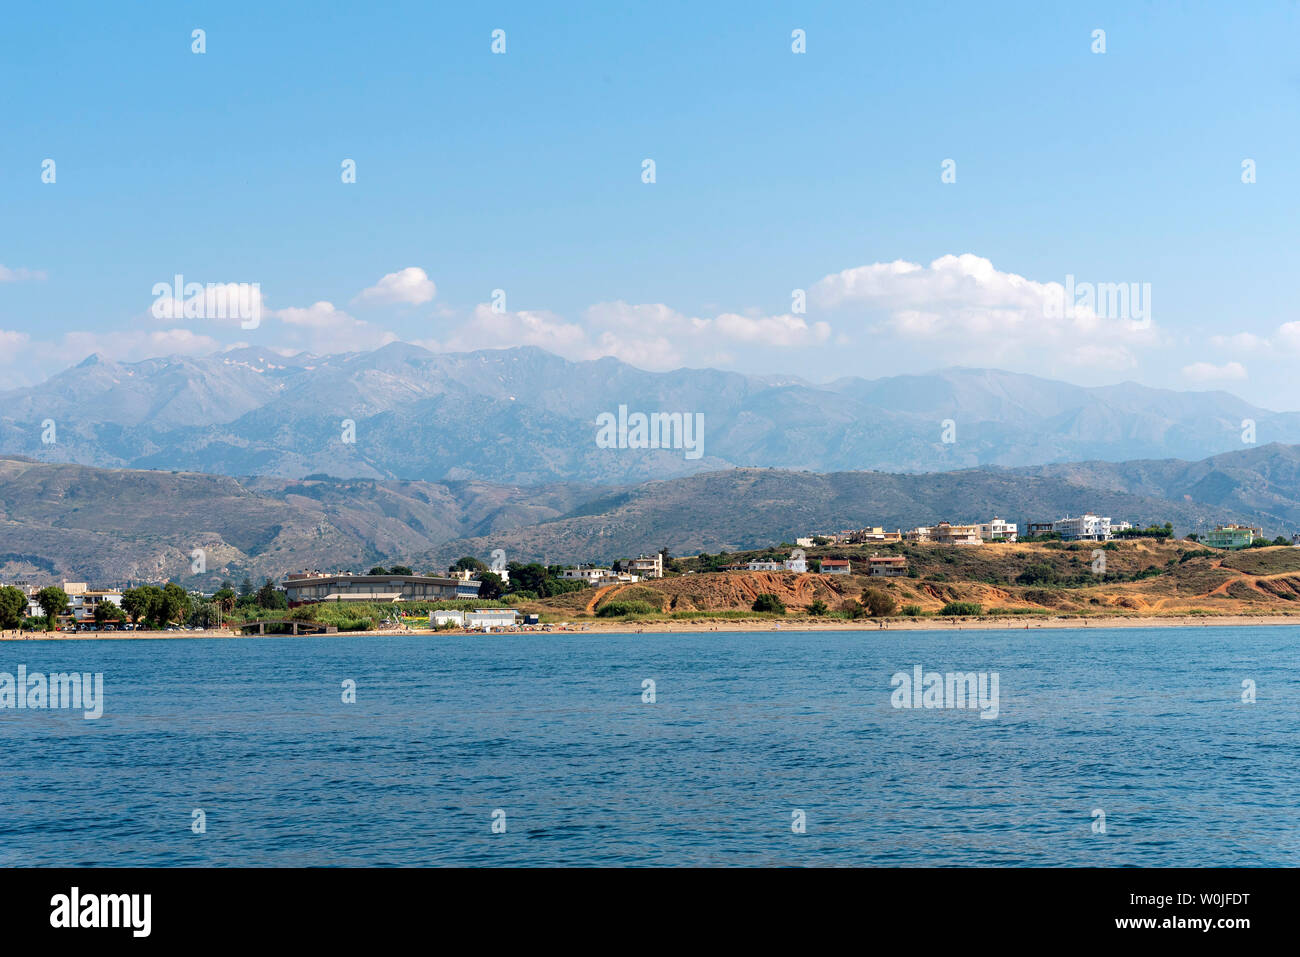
836,566
886,566
306,588
491,618
1083,528
83,603
997,531
1232,536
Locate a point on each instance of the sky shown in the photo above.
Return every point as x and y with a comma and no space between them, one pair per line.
916,189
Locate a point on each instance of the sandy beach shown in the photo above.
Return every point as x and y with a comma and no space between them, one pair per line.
683,626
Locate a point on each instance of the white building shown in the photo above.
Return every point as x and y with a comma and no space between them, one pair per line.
439,618
491,618
1087,527
797,565
646,566
998,531
619,578
589,575
757,566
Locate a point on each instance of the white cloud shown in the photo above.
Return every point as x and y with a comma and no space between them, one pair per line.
323,328
20,274
1288,336
500,330
1209,372
411,286
1240,342
958,305
12,344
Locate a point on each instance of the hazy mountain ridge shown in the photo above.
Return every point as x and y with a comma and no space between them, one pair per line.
117,526
525,416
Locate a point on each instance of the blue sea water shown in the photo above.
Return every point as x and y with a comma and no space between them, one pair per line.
1147,725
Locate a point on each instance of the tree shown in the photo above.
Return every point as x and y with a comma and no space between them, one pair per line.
268,596
106,611
489,585
530,577
175,604
818,607
54,602
769,603
400,570
135,603
468,563
224,598
13,607
378,570
878,603
246,587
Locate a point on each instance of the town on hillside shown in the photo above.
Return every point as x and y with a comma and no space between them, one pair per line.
537,595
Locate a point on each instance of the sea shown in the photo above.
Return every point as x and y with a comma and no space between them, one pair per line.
1111,747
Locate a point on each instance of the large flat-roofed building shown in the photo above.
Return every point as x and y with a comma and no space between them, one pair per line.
491,618
1232,536
1087,527
945,533
303,589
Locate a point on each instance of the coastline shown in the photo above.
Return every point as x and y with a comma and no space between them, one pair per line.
688,626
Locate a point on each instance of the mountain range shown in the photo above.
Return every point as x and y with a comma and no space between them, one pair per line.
522,416
120,526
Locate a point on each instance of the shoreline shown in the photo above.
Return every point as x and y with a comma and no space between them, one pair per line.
615,627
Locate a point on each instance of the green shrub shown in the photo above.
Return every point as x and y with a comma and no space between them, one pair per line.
878,603
959,609
769,604
911,611
618,609
1037,574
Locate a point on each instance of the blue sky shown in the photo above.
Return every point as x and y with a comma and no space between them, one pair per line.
775,171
